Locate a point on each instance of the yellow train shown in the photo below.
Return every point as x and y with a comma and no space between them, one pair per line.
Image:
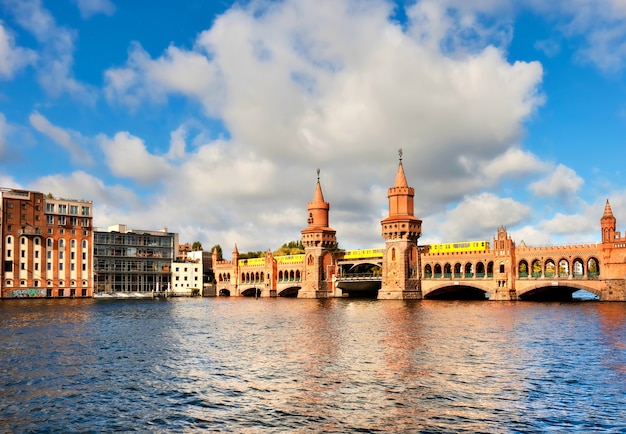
364,253
461,246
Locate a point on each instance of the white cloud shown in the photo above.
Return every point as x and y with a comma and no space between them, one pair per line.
127,157
335,85
563,181
55,59
479,217
12,58
68,140
89,8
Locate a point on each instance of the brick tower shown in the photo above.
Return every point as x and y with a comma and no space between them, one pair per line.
401,230
608,224
318,240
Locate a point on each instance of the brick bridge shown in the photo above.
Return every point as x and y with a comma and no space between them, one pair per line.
401,269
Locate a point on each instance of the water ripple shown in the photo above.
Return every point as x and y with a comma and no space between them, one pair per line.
311,366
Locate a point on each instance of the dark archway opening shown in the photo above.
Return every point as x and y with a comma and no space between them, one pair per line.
224,292
457,292
251,292
360,289
555,293
289,292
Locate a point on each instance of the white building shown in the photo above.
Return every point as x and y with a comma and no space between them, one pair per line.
187,277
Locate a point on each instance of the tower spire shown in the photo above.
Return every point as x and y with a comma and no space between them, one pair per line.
608,212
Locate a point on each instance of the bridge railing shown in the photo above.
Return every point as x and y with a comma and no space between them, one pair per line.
359,276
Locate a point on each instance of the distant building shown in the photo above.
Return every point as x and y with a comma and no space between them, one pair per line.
187,277
133,260
46,245
183,251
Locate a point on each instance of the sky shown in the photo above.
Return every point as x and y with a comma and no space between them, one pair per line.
211,118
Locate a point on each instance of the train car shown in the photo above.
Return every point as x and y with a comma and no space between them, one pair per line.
289,259
461,246
364,253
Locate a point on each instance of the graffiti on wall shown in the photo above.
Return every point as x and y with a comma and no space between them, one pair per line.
25,293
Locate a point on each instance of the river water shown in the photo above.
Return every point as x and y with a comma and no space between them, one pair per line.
311,366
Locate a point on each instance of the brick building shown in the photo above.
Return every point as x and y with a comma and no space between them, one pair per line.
46,245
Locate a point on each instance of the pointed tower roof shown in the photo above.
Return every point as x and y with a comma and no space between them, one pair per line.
318,197
608,212
235,250
400,176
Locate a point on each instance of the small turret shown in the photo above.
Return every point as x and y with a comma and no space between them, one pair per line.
608,224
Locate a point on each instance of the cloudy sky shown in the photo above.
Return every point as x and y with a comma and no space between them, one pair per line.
210,118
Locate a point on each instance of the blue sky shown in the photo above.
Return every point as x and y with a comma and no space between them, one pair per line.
211,118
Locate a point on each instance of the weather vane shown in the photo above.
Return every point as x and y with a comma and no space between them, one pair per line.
400,153
318,174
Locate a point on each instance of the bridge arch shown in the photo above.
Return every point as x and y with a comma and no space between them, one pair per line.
548,291
252,292
466,291
224,292
291,291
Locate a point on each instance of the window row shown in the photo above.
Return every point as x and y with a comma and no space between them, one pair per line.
62,208
547,268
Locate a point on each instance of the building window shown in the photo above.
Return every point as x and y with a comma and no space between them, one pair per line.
61,243
9,240
74,209
36,266
73,243
50,219
61,292
60,254
60,266
50,231
72,255
62,220
72,266
63,209
49,207
23,253
23,241
22,266
8,253
74,221
49,266
36,254
8,266
49,254
85,210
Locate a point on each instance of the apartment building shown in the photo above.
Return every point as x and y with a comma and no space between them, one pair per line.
46,245
187,277
133,260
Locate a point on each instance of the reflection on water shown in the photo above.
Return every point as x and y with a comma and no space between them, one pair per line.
287,365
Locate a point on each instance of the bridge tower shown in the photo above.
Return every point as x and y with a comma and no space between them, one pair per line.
505,268
235,278
318,240
608,224
401,230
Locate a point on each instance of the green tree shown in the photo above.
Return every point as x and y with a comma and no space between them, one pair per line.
290,248
196,246
219,252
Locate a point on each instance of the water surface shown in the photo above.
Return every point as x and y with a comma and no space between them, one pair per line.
289,365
